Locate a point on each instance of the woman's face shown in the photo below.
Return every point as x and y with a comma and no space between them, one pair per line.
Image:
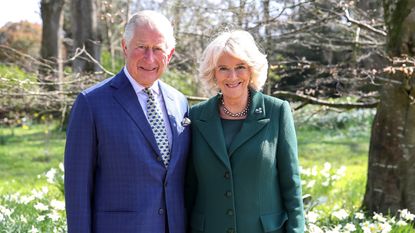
232,77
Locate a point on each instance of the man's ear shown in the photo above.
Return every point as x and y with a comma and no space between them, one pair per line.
124,47
170,55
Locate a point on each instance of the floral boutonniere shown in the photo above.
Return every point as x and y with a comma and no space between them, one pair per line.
186,121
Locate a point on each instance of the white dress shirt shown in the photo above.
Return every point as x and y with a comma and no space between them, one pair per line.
142,98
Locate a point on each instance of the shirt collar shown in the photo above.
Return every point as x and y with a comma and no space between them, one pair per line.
138,88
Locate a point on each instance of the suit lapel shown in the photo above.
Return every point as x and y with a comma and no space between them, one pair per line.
210,127
124,94
254,122
174,119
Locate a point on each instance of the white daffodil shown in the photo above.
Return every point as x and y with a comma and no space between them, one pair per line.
312,217
33,230
340,214
350,227
57,205
406,215
41,207
359,215
50,175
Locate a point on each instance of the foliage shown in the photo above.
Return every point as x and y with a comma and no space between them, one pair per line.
325,118
28,150
23,36
41,210
107,60
14,75
180,80
326,211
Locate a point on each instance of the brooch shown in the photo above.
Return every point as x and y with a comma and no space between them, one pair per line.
258,110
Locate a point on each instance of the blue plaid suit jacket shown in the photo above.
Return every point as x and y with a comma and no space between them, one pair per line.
114,178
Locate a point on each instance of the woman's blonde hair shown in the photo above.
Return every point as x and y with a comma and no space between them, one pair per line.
240,44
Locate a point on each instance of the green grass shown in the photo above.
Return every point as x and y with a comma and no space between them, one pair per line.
27,152
317,147
338,148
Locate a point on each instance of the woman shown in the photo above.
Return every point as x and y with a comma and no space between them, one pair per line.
243,172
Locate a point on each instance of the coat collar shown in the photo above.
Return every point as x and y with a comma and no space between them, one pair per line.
210,125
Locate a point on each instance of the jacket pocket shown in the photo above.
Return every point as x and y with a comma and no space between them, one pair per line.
197,222
274,221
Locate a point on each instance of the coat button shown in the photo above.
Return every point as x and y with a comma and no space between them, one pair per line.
228,194
230,230
158,159
227,175
161,211
229,212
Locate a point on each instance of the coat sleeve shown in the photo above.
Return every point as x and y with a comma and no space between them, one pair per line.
288,169
80,157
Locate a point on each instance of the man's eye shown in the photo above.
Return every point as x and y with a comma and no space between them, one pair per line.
141,46
158,50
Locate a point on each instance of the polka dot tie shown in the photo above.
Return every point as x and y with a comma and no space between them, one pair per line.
156,121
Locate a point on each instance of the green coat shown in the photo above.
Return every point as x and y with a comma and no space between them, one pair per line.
255,187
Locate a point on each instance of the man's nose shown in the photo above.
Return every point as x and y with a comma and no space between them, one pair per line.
149,54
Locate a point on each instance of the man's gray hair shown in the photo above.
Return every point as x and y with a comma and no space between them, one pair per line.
154,20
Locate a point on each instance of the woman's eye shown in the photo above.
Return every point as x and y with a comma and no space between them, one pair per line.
223,69
241,68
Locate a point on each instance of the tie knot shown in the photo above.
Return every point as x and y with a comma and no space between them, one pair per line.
149,93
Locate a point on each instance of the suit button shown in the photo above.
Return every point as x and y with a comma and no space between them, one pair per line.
227,175
228,194
161,211
158,159
229,212
230,230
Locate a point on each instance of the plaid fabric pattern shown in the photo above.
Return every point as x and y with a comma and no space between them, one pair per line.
156,121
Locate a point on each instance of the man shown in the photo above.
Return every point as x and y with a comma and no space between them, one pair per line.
123,172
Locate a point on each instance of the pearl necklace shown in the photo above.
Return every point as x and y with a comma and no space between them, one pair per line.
238,114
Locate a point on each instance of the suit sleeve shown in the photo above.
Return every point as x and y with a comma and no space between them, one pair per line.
80,157
190,178
288,169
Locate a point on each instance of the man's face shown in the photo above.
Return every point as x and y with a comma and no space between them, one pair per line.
146,55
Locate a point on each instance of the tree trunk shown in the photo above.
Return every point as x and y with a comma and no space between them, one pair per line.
268,42
85,34
391,172
51,12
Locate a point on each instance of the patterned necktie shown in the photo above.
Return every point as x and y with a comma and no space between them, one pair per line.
156,121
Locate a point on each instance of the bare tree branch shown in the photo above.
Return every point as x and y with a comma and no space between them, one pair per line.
363,25
312,100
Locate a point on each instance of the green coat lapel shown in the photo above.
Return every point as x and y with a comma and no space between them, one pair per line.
210,127
254,122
